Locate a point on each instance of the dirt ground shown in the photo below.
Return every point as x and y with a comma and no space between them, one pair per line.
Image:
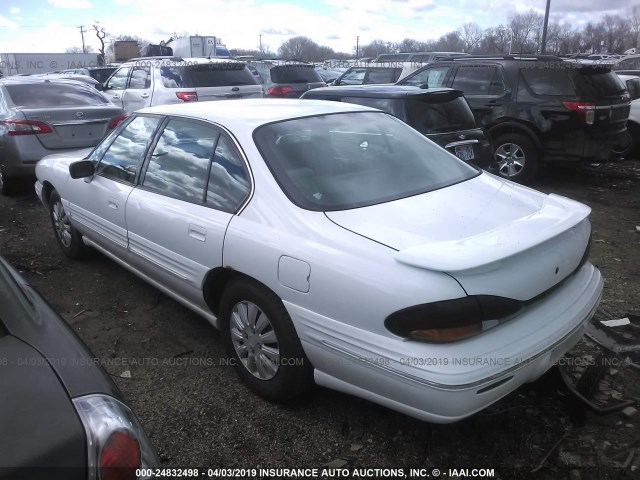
198,413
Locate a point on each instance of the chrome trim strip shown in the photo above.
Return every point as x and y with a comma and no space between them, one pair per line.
461,142
79,122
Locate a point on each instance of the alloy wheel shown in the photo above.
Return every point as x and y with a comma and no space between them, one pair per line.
510,159
255,340
61,222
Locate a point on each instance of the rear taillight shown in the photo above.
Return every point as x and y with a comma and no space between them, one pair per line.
187,96
116,120
120,457
279,91
586,111
116,444
25,127
452,320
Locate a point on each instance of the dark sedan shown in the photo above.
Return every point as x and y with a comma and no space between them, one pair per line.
61,416
441,114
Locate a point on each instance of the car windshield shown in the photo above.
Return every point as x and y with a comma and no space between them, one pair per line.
349,160
218,74
50,94
295,74
439,115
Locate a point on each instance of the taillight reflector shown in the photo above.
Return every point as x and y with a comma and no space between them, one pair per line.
187,96
120,457
278,91
116,120
586,110
26,127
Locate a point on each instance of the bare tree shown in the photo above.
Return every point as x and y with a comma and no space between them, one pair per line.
526,30
375,48
471,34
87,49
101,34
634,25
451,42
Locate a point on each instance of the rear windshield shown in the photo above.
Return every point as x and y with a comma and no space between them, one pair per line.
433,116
47,94
602,82
349,160
207,75
295,74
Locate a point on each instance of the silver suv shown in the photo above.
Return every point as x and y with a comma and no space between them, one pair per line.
149,81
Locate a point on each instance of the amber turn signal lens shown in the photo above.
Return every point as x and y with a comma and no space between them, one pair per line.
446,334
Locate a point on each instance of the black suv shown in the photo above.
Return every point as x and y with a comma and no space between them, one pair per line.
536,108
441,114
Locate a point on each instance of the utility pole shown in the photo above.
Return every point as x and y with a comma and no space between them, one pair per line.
543,47
81,27
260,42
358,47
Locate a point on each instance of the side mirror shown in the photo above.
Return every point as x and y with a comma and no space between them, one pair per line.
82,169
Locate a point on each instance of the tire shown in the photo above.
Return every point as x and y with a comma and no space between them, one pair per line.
258,335
630,147
515,157
69,239
6,184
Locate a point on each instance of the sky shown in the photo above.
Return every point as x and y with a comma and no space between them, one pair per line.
49,26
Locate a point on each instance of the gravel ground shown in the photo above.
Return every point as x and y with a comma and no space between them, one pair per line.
197,413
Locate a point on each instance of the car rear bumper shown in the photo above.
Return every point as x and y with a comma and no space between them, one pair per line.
448,382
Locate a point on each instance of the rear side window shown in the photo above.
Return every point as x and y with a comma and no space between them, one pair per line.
180,161
628,64
435,116
228,181
140,78
295,74
549,81
47,94
207,75
383,75
478,80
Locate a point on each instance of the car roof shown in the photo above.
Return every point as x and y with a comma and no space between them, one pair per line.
243,114
19,80
377,91
180,60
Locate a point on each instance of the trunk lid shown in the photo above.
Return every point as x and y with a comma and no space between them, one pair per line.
494,237
73,127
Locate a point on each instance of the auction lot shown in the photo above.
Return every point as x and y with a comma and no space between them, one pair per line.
171,366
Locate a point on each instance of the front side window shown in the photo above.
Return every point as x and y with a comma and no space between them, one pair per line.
179,164
349,160
429,77
228,184
119,79
354,77
122,159
383,75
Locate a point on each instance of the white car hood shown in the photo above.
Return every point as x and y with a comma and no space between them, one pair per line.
494,237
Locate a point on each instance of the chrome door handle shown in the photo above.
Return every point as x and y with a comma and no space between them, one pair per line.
116,97
144,95
112,204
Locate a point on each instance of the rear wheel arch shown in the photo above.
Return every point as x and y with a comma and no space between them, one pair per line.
513,127
215,283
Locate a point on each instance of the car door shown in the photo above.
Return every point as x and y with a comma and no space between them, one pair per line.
115,86
485,89
97,204
137,95
194,181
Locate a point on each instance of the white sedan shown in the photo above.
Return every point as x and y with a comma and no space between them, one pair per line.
331,242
